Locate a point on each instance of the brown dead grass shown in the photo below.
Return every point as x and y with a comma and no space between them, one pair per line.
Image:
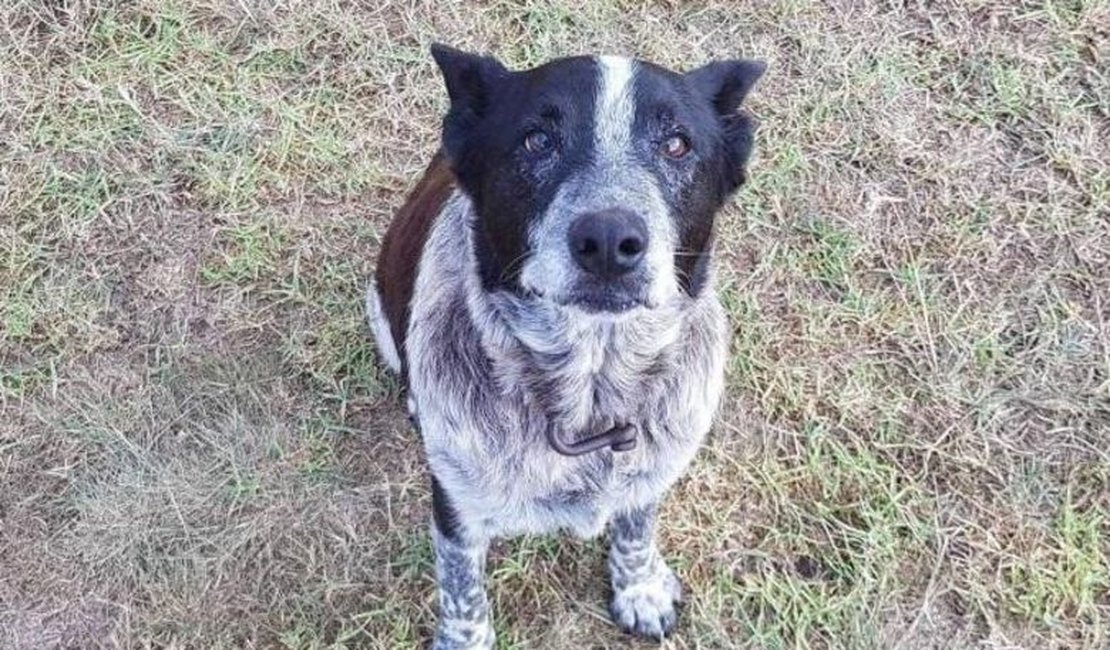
198,449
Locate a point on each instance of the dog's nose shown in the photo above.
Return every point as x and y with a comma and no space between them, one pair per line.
608,243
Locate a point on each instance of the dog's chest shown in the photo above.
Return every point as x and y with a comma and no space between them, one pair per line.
485,433
522,486
582,496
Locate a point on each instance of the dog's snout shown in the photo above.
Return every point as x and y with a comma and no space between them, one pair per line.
609,243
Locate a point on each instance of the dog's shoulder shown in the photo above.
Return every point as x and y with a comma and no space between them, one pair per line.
404,243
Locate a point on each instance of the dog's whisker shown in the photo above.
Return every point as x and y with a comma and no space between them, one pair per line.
517,262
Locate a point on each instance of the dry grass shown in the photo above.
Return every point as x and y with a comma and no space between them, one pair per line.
198,449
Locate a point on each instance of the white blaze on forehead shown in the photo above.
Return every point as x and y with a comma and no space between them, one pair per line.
616,108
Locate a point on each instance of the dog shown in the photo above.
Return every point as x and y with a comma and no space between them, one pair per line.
547,297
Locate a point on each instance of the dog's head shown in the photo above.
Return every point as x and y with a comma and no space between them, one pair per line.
596,180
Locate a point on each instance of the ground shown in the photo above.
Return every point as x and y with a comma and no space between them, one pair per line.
199,448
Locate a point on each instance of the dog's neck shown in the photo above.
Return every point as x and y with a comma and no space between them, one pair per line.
579,367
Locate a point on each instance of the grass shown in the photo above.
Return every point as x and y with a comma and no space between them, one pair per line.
198,447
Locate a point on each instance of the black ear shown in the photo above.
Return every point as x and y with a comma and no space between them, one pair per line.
469,77
470,80
726,83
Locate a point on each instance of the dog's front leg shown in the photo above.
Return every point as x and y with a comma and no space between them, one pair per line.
646,592
464,612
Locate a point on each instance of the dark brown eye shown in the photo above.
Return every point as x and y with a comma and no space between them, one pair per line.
675,147
537,142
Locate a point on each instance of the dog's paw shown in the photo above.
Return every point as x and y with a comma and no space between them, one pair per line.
463,635
648,607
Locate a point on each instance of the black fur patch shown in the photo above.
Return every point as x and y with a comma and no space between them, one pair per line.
446,519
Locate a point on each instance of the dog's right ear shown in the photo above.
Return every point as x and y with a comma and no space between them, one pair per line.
470,80
726,85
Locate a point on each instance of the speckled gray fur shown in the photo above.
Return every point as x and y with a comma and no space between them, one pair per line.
645,590
487,375
464,613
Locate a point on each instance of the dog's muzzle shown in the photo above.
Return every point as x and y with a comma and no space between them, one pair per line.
620,438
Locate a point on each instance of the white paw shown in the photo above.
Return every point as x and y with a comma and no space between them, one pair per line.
648,607
463,635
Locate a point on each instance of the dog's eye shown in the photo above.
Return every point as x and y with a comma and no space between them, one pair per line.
675,147
538,142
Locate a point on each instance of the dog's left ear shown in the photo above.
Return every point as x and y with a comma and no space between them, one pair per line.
726,83
470,80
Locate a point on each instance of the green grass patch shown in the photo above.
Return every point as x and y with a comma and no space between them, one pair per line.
1066,576
846,524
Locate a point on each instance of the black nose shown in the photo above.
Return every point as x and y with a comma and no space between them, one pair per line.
609,243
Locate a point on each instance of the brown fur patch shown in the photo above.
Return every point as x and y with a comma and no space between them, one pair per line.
403,246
